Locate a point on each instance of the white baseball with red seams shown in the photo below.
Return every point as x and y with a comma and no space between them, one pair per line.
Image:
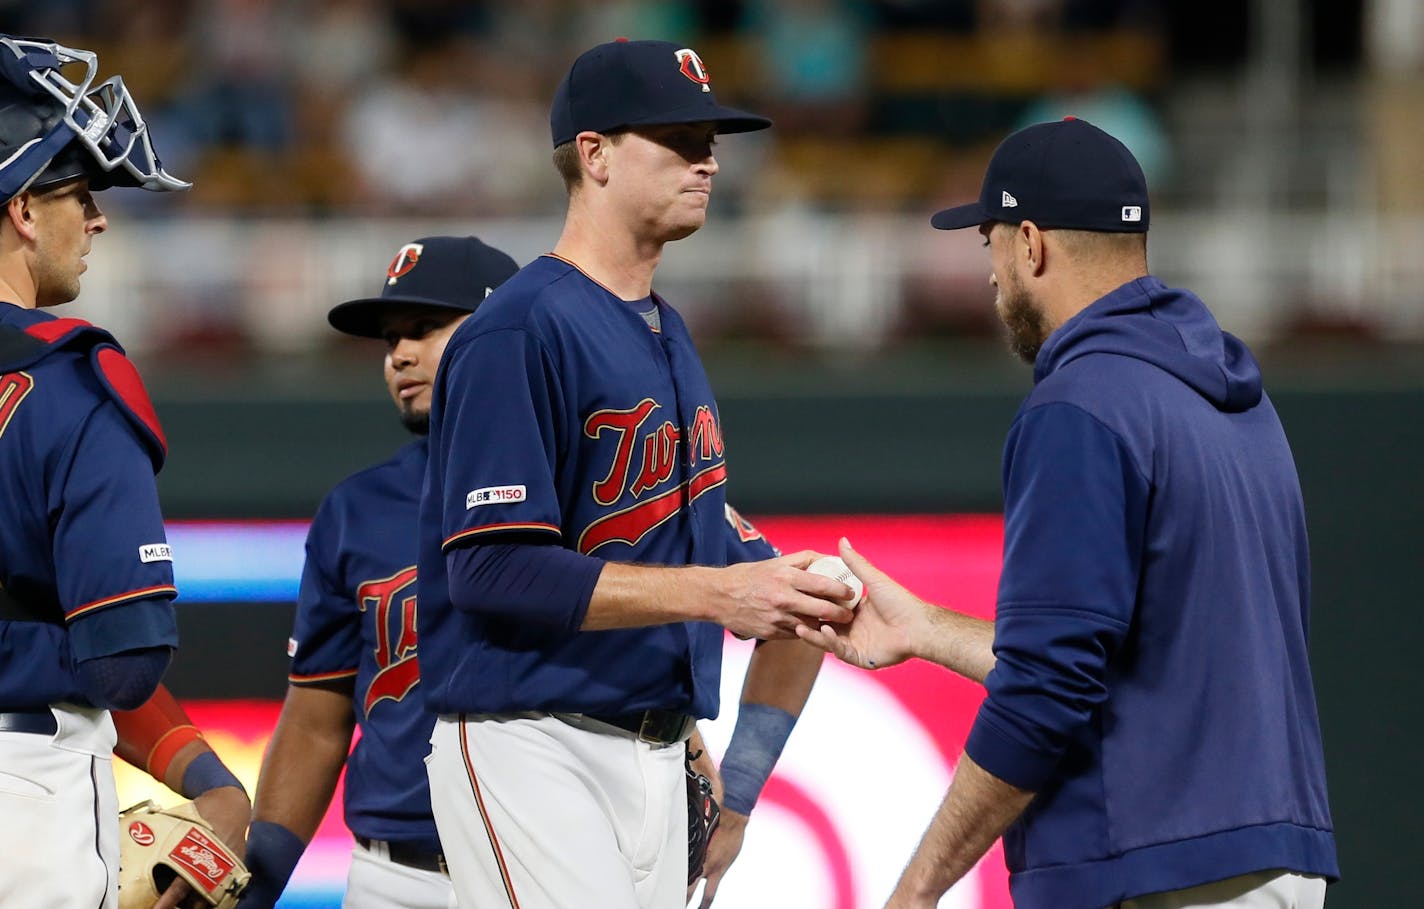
836,568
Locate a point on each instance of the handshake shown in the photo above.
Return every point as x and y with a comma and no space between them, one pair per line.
845,606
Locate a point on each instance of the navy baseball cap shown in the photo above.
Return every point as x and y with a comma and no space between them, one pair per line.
1066,174
640,83
454,273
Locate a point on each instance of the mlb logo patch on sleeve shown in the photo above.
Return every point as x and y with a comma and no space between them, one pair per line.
494,495
291,647
155,552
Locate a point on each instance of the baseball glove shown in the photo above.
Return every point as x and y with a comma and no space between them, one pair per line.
160,845
702,817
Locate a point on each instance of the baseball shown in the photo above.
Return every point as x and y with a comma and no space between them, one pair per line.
835,567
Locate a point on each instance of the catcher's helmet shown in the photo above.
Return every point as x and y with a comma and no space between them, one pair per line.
53,130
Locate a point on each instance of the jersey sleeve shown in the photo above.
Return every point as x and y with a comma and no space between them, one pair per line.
113,566
1074,525
500,406
326,637
744,542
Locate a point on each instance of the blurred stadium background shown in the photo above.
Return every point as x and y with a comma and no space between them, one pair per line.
855,350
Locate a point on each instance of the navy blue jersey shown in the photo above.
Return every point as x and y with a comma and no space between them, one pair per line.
84,562
356,618
560,413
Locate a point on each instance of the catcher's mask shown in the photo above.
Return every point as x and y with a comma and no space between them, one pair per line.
53,130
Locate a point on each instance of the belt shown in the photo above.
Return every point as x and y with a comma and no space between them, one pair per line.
657,727
40,721
407,854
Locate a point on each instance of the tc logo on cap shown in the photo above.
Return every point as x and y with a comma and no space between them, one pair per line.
405,260
692,67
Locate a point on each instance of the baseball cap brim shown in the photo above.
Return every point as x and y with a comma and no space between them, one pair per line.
961,216
728,119
362,318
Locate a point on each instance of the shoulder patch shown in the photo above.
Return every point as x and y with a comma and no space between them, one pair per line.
121,377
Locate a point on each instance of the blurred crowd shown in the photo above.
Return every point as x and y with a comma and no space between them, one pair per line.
316,108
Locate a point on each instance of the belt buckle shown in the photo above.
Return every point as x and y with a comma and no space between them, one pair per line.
658,727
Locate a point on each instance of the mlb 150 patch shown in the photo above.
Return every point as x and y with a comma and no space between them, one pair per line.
493,495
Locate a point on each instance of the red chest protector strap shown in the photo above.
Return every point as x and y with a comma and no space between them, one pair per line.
21,348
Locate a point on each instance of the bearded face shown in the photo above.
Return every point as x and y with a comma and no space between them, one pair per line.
1021,315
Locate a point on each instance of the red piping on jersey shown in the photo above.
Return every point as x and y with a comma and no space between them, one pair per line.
631,524
579,268
143,594
320,676
494,528
484,815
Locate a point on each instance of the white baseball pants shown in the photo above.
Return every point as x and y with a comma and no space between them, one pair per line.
1274,889
59,814
376,882
536,813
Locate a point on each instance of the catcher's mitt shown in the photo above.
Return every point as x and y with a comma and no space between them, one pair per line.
160,845
702,817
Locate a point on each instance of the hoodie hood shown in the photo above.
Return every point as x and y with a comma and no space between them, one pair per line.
1171,329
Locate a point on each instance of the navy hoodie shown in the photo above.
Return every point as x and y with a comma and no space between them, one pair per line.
1152,684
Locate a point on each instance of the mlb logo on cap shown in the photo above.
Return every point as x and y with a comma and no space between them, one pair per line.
1065,174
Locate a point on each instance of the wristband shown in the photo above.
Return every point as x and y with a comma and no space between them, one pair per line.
272,852
207,771
757,740
167,748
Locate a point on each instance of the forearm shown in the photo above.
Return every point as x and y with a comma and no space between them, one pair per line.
160,739
778,682
304,759
961,643
541,584
628,596
781,674
546,584
767,599
978,808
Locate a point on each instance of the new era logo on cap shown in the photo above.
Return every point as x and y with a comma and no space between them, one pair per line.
1070,174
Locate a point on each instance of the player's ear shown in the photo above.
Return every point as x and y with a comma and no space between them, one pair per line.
20,215
593,154
1029,243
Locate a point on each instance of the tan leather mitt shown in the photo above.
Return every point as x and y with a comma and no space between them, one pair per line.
160,845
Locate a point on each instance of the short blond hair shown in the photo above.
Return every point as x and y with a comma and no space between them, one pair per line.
566,160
